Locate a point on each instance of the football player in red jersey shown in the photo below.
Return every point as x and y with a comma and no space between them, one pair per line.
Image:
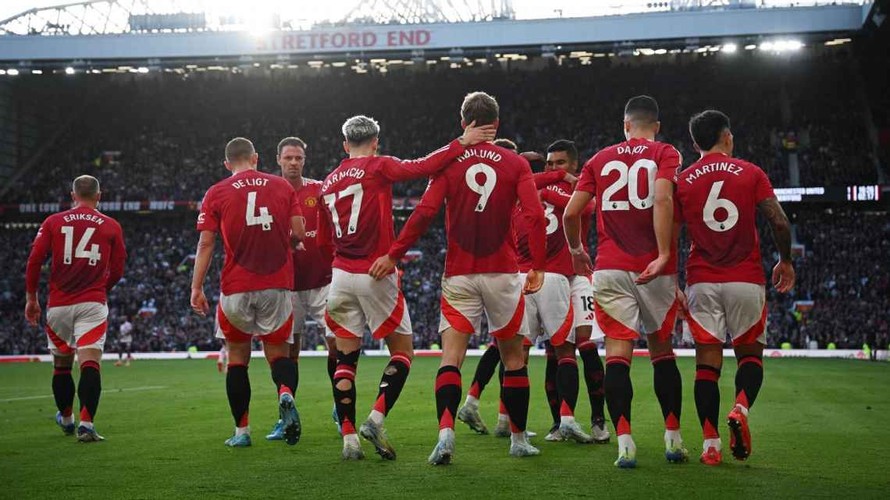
357,220
480,189
719,197
312,263
88,257
260,221
635,277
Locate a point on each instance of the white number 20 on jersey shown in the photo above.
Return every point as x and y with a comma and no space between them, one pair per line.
93,256
629,176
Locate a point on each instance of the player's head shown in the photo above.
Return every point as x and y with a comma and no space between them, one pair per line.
641,117
361,135
291,157
481,108
85,190
710,130
506,144
240,154
562,155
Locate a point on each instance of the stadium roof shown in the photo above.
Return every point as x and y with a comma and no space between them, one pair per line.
102,17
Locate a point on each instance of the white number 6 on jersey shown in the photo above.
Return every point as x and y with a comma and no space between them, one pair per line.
709,214
483,190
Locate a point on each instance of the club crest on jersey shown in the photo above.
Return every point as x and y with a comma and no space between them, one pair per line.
311,202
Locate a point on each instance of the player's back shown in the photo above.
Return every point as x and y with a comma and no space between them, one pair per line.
554,199
358,208
718,197
83,241
480,198
622,179
252,210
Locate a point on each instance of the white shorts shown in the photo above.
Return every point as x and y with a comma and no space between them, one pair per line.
549,312
720,309
356,301
583,305
310,304
126,340
266,313
498,295
625,310
78,326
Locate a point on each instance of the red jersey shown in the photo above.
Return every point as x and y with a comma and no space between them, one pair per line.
252,210
480,189
312,266
88,256
718,197
357,212
555,195
622,179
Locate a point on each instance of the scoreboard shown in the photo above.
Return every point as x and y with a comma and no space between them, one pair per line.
830,194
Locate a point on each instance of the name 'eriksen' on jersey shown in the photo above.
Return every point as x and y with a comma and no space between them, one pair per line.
484,154
356,173
723,166
88,217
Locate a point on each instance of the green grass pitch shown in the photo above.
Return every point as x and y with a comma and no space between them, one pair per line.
820,428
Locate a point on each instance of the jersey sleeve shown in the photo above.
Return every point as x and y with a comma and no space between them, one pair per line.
396,170
208,218
587,181
118,259
668,164
555,198
763,188
323,232
544,179
421,218
533,213
40,249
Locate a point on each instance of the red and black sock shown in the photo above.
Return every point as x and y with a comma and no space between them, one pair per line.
344,399
238,390
391,383
593,377
89,388
551,389
447,395
63,390
619,392
567,385
707,399
515,395
748,380
332,365
484,371
284,374
668,388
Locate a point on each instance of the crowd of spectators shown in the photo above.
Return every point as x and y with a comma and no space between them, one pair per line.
161,136
843,271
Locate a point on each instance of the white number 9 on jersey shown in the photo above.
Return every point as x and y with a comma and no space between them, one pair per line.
483,190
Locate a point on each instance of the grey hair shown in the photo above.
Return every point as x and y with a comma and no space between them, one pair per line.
360,129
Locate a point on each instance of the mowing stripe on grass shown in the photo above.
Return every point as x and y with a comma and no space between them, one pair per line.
109,391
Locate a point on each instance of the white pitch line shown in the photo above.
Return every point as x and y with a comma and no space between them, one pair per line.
109,391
